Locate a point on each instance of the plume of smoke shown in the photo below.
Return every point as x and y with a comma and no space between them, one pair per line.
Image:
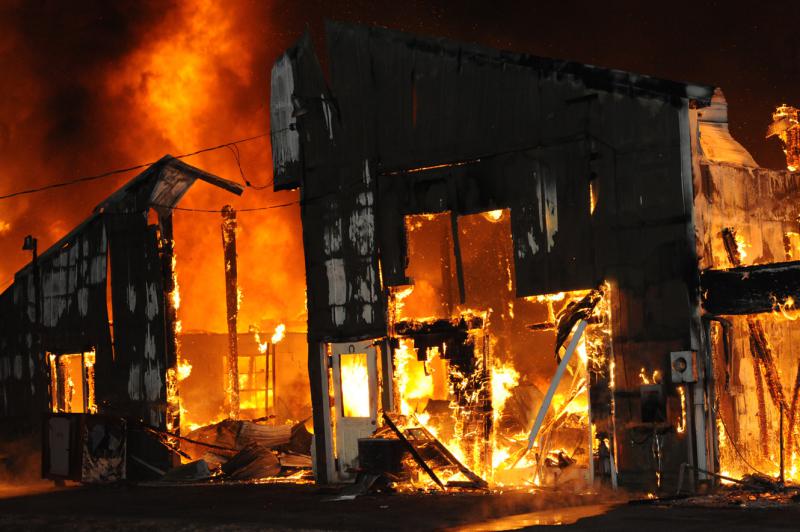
94,86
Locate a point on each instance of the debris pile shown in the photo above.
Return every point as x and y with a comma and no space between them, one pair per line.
754,492
244,450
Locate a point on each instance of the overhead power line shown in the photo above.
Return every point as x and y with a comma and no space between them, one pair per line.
84,179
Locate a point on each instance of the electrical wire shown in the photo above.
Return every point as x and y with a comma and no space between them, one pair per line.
237,156
84,179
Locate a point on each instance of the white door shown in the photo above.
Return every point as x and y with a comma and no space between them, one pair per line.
59,438
355,389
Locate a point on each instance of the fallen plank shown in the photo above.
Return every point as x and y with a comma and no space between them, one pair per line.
562,367
417,458
477,482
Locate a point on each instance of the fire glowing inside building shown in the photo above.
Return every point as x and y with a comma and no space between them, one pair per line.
520,272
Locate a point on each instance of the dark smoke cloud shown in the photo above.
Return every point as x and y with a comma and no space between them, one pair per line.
59,119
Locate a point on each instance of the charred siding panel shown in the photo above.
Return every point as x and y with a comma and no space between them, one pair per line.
73,283
137,299
760,204
13,400
552,228
283,124
338,207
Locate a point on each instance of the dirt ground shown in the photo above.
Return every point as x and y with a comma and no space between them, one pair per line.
307,507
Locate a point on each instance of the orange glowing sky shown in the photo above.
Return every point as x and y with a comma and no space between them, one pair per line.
90,85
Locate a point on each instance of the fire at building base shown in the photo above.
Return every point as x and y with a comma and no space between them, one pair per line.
522,273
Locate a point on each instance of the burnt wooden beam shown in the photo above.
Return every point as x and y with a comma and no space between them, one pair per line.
232,300
750,289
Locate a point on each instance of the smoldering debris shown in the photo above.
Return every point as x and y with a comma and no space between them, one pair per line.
242,451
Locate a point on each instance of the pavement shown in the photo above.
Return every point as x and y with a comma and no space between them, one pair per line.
237,506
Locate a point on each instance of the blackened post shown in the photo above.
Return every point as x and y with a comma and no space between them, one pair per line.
232,301
171,346
783,470
272,371
453,197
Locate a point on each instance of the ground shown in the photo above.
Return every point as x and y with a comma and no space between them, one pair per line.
280,507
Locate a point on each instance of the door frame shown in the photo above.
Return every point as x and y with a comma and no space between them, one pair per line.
338,349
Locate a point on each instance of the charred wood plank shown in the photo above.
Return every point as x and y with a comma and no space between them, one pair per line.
749,289
762,406
475,480
763,351
793,412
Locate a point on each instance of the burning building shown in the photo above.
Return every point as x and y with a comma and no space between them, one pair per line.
92,326
473,218
519,272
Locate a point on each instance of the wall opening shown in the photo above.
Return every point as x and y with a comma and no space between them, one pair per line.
72,385
475,374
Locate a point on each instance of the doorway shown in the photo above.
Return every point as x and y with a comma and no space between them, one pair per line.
355,385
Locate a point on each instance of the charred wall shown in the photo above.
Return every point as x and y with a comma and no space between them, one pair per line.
67,303
594,165
130,372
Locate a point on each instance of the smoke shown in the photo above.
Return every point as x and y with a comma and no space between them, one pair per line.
91,85
94,85
20,463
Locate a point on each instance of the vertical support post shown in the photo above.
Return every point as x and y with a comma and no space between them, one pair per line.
387,376
322,451
267,356
783,470
453,200
84,379
62,381
32,244
699,405
232,301
590,472
273,372
166,244
690,436
447,269
462,296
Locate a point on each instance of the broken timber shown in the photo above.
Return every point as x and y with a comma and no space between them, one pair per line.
562,367
412,450
422,434
419,441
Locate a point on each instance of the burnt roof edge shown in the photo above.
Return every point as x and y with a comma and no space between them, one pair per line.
154,171
601,78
